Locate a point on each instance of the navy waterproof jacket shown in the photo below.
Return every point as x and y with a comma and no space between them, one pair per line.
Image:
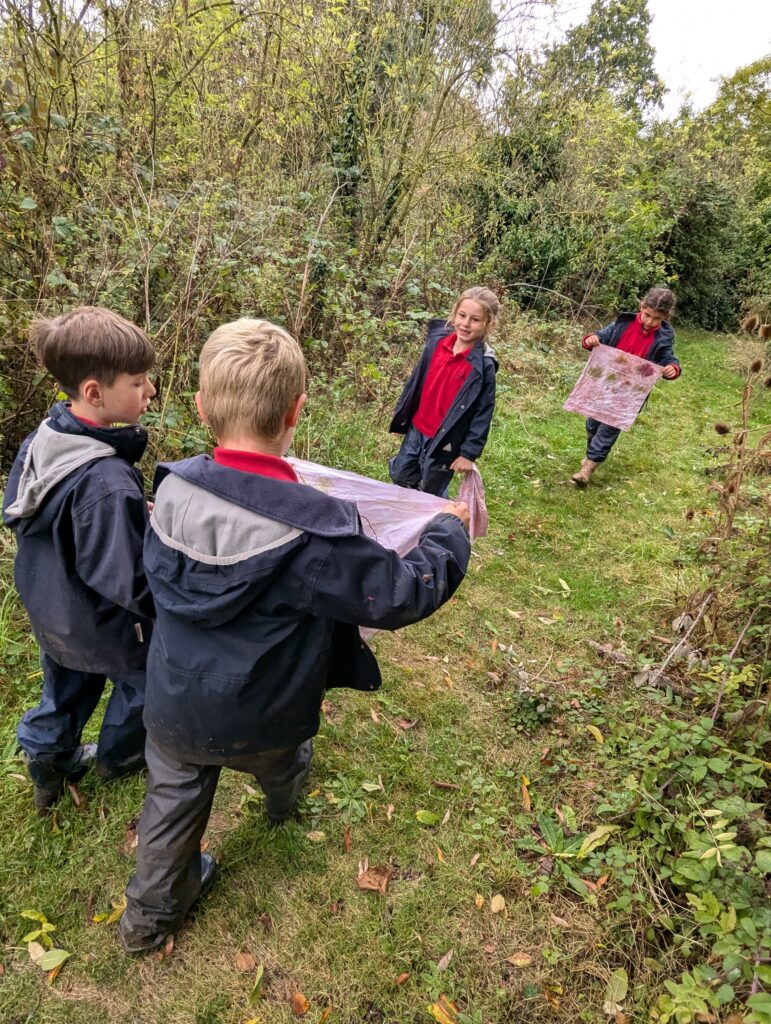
662,351
76,505
260,586
465,428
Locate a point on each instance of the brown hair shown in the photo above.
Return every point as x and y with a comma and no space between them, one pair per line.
90,342
251,372
486,298
660,300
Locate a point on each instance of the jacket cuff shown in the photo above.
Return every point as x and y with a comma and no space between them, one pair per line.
444,517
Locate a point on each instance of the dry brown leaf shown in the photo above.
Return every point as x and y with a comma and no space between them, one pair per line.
443,1011
620,1017
520,959
375,878
443,785
494,645
325,1015
77,797
245,962
326,706
602,880
474,860
440,855
479,901
407,723
389,812
347,840
497,904
374,716
444,963
489,948
559,920
166,949
299,1004
446,817
2,970
53,974
336,907
266,921
402,978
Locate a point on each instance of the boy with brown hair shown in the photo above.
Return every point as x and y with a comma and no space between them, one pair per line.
260,585
75,502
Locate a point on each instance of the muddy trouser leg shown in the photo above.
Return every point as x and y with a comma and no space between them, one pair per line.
121,747
168,871
600,440
281,774
405,467
49,734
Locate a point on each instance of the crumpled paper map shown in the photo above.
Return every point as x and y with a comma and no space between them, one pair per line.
613,386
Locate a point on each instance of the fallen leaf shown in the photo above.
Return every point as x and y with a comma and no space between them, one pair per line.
497,904
520,959
526,794
326,706
494,645
347,840
474,860
559,921
479,901
427,817
439,784
77,797
446,817
389,812
266,921
299,1004
443,1011
2,970
408,723
440,855
620,1017
402,978
336,907
325,1015
596,733
166,949
374,716
444,963
489,948
245,962
52,958
375,878
316,837
256,992
53,974
597,838
36,952
602,880
119,908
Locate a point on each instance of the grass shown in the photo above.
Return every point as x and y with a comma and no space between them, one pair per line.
558,568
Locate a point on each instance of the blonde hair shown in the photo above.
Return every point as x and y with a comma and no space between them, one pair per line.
486,298
90,341
251,371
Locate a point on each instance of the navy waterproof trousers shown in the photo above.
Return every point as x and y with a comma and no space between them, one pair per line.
411,466
50,734
600,438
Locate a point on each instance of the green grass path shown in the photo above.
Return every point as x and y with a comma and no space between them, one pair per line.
558,568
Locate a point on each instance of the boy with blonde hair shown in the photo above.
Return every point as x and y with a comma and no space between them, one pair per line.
260,584
75,502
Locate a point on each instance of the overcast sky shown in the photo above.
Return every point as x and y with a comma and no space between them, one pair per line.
696,41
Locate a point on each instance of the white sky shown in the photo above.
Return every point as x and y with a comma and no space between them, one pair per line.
696,41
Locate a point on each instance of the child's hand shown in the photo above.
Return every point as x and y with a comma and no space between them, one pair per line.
670,372
592,341
462,465
459,509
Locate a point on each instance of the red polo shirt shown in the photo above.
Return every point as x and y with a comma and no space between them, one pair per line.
255,462
636,340
445,377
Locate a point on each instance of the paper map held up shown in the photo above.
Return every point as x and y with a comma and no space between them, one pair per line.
613,386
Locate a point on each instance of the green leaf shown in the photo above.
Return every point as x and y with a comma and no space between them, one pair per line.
53,958
617,986
31,936
256,993
763,861
28,203
597,838
34,915
427,817
551,833
370,787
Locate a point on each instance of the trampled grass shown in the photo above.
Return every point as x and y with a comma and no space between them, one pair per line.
559,567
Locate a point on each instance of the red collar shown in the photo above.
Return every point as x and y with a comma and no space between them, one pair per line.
449,344
255,462
645,333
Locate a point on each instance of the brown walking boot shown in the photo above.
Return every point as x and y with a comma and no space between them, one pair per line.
581,478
